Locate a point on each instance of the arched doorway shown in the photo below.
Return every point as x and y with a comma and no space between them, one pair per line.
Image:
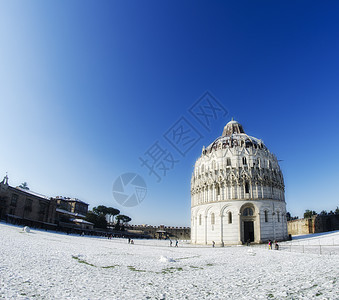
247,224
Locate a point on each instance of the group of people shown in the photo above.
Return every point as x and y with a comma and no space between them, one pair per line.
270,245
248,243
176,243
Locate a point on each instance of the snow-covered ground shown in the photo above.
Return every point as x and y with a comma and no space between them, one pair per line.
46,265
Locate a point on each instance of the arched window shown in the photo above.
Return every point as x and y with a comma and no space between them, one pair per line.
228,162
278,215
247,187
244,161
218,190
199,219
229,218
212,219
247,212
266,216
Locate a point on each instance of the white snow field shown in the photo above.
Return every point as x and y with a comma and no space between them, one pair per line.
47,265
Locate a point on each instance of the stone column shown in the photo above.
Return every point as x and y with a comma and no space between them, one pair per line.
196,228
262,190
214,194
207,194
273,219
258,237
221,228
240,229
206,230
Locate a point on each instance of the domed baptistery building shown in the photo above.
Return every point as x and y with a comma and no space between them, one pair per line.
237,192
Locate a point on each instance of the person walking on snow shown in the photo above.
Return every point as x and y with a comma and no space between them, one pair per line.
269,245
276,246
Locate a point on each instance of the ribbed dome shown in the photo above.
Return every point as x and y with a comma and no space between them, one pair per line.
234,136
232,127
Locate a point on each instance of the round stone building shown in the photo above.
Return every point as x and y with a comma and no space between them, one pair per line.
237,192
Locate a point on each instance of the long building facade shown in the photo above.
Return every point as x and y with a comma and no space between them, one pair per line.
25,207
237,192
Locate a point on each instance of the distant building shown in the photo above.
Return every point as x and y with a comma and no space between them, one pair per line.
72,207
23,206
237,191
83,224
70,213
315,224
160,232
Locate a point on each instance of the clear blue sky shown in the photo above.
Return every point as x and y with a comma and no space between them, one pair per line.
86,87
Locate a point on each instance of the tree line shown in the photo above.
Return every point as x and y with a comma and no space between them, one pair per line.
309,213
99,215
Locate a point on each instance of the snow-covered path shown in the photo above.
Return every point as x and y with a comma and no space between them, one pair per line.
45,265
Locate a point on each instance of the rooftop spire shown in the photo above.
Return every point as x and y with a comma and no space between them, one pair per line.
5,180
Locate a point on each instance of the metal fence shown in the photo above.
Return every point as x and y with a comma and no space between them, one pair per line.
314,249
309,249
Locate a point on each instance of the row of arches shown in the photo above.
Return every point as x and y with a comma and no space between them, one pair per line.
248,212
236,175
229,214
258,162
232,224
228,142
223,191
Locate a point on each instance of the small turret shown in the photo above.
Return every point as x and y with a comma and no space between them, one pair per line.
5,180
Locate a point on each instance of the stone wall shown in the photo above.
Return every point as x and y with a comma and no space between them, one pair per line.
316,224
156,232
299,226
